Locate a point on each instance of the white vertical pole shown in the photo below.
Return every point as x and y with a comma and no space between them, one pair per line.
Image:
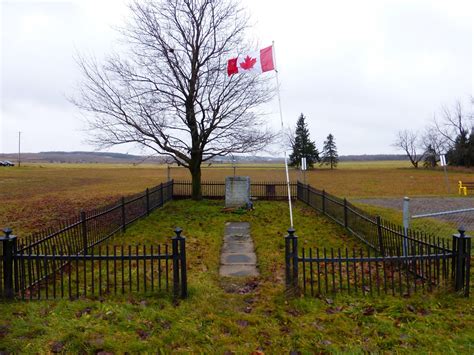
19,148
446,179
281,119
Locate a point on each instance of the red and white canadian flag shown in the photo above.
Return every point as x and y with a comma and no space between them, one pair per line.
252,62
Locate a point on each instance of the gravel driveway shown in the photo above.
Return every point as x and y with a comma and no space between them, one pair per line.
422,205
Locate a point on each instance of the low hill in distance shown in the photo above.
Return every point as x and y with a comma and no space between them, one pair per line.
117,158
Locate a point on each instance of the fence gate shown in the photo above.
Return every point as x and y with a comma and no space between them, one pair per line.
103,270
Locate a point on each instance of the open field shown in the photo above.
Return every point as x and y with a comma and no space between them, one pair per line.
226,315
37,195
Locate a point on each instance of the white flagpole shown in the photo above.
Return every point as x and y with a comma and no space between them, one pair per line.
281,119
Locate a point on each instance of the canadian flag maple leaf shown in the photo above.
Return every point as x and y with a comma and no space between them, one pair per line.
248,63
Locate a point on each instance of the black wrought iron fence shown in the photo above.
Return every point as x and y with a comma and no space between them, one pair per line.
382,236
102,270
417,259
316,271
216,190
79,234
92,227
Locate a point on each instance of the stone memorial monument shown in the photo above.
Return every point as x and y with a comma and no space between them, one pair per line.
237,191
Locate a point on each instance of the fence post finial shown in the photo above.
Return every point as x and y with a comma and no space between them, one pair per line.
462,260
180,282
7,232
291,261
9,247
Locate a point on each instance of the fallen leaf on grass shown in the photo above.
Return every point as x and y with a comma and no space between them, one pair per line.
248,309
57,347
332,310
368,311
143,334
423,312
293,312
285,329
86,310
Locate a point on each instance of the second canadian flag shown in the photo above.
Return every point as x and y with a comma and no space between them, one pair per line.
252,62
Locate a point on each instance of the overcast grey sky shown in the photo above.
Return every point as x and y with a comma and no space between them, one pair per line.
360,70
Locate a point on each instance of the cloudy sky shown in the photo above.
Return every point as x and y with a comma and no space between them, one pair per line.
360,70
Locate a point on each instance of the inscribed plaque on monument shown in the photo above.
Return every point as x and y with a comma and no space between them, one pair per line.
237,191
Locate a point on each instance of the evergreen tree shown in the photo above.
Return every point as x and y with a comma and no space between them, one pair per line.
302,145
330,156
430,157
459,153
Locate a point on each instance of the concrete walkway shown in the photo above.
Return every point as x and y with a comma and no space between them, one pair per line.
237,255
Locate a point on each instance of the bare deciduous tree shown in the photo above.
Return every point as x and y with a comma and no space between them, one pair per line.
408,141
431,137
455,122
170,92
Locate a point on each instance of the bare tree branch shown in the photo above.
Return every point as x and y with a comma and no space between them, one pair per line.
171,92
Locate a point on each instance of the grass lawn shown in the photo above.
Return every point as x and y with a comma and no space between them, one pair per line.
241,316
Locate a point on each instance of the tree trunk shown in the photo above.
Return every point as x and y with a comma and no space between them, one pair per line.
195,169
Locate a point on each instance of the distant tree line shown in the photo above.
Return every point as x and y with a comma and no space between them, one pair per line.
303,147
452,135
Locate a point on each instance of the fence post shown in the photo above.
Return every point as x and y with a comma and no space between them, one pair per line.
180,282
9,246
345,213
406,223
171,193
324,202
124,221
84,232
161,195
379,235
147,201
182,260
291,261
462,254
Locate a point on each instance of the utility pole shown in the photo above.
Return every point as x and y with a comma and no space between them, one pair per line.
19,148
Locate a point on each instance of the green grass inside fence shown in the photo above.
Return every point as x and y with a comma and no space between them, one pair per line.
239,315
